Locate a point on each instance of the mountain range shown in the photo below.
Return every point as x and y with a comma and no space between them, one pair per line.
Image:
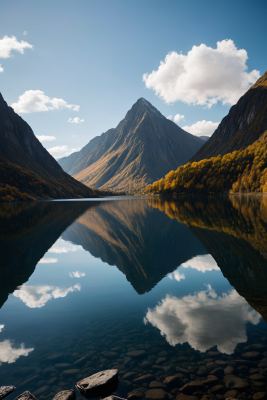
26,166
141,149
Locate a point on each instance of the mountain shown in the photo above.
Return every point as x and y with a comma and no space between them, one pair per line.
245,123
142,242
142,148
205,138
27,166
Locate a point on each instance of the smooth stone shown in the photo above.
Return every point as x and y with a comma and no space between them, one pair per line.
110,354
191,387
163,353
230,394
211,381
26,396
29,380
146,364
218,389
134,395
41,390
51,381
136,353
156,384
129,374
219,372
182,370
211,366
6,391
160,360
172,380
98,383
234,382
252,355
65,395
63,365
71,371
228,370
202,370
156,394
113,397
55,356
260,396
144,378
257,377
81,360
50,370
183,396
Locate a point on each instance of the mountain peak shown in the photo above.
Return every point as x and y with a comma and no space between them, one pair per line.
143,105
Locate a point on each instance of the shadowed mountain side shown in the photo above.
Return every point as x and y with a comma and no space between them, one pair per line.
233,229
27,231
144,147
143,243
243,266
26,165
244,124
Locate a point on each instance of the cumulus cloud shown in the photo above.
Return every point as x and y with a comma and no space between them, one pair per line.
202,263
38,296
61,151
9,354
35,101
43,138
75,120
1,327
47,261
176,275
204,76
202,128
204,320
77,274
60,246
8,44
176,118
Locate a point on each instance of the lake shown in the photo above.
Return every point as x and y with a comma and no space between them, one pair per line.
146,285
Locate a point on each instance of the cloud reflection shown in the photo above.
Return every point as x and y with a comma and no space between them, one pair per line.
1,327
204,320
47,261
9,354
77,274
202,263
38,296
176,275
61,246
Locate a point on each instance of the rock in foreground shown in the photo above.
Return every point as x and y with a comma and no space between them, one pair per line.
99,383
26,396
6,391
65,395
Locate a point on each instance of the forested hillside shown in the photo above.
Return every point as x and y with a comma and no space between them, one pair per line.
240,171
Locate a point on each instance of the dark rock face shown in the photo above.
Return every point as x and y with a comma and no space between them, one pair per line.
6,391
99,383
143,148
244,124
21,153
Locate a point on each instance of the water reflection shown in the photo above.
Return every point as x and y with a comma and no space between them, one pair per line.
204,320
9,354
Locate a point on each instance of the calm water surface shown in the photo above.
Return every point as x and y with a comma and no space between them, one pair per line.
85,285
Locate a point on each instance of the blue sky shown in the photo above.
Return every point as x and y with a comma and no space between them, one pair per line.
93,54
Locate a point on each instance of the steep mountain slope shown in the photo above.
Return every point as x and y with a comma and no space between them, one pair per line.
144,147
205,138
27,165
245,123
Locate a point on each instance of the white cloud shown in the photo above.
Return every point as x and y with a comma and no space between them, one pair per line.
9,354
176,275
202,263
1,69
38,296
35,101
61,151
1,327
75,120
77,274
7,44
204,76
43,138
202,128
25,33
204,320
176,118
61,246
47,261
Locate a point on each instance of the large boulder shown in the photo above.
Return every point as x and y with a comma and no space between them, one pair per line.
6,391
104,382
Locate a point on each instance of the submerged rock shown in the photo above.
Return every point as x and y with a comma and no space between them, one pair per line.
99,383
6,391
156,394
191,387
26,396
65,395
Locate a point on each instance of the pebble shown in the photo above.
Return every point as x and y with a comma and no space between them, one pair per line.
191,387
252,355
183,396
137,353
257,377
228,370
156,394
144,378
71,371
41,390
218,389
260,396
156,384
55,356
230,394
